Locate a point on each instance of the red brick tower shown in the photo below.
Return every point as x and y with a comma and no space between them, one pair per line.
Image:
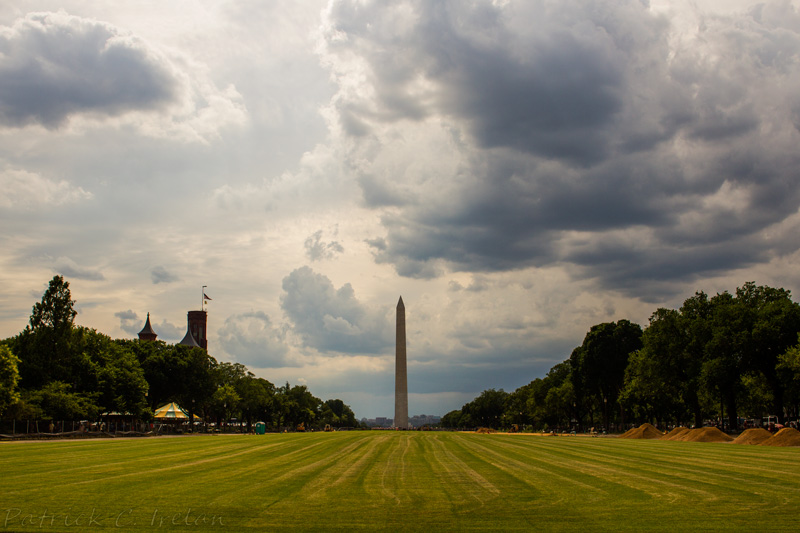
197,326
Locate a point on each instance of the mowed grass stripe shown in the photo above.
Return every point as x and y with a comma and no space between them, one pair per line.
605,470
407,480
685,459
705,473
655,467
281,473
727,466
652,478
461,482
104,466
93,456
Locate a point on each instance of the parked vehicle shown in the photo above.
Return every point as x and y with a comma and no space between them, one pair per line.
770,423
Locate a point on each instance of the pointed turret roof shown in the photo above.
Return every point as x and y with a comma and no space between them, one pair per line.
147,329
188,340
147,333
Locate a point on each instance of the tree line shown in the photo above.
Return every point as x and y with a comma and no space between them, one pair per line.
57,370
729,357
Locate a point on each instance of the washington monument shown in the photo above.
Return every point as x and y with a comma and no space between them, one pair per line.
400,375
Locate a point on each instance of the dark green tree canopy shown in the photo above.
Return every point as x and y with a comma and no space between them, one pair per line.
56,310
9,378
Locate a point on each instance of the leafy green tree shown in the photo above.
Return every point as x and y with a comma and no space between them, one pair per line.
789,372
295,406
121,382
56,401
559,405
774,320
160,364
56,310
487,409
176,373
230,373
451,419
602,361
198,380
224,402
579,377
337,414
656,379
516,406
549,401
44,347
696,328
256,399
757,399
9,378
726,353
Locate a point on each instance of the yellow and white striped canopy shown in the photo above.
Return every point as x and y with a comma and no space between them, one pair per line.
172,411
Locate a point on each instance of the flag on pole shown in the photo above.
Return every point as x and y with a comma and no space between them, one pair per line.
205,296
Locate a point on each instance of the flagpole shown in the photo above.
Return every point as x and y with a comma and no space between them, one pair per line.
203,298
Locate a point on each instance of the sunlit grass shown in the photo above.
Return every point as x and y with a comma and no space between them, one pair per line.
396,480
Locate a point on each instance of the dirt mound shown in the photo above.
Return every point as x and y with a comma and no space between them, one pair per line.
705,435
645,431
485,430
675,434
785,437
753,436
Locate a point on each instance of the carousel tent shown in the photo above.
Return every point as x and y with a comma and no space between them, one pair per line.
171,411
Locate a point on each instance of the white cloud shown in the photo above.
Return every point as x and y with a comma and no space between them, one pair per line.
330,319
70,269
316,250
251,338
27,190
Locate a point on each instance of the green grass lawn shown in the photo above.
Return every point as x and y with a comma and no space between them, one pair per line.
396,481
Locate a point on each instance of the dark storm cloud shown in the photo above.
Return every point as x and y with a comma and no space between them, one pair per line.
331,319
588,135
53,65
555,102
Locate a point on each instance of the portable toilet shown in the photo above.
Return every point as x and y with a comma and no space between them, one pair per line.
261,428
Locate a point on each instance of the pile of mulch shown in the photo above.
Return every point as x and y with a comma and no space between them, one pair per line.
485,430
675,434
645,431
705,435
753,436
784,437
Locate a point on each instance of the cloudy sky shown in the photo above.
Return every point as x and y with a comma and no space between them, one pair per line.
517,171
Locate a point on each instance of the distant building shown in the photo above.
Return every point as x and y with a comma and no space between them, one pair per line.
197,325
147,333
188,340
418,421
197,322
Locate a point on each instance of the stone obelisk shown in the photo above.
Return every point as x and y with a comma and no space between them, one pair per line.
400,374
